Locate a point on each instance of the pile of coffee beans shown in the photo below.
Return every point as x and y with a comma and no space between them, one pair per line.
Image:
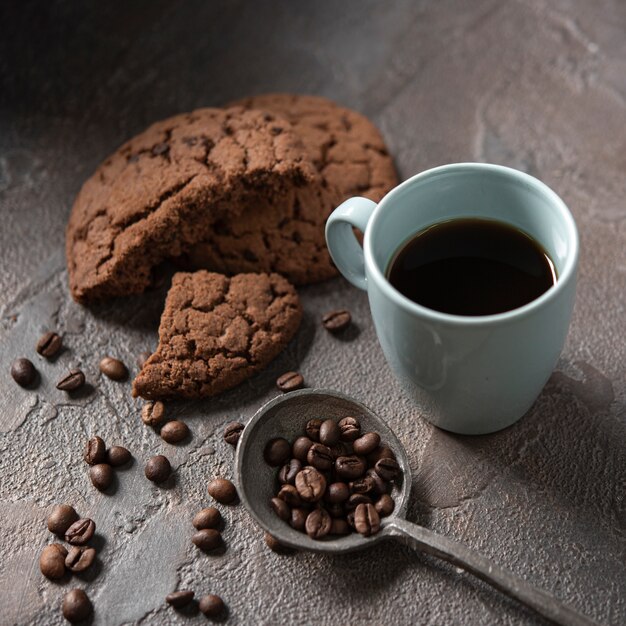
334,479
103,460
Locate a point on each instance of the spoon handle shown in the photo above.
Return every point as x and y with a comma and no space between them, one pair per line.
456,553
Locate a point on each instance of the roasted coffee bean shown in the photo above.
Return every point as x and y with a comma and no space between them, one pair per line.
287,474
365,484
61,518
350,467
78,559
339,449
76,606
23,372
298,518
174,431
277,451
337,492
382,452
101,476
211,605
153,413
207,518
52,561
222,490
366,443
113,368
355,499
335,321
80,532
329,432
320,456
290,381
350,428
118,455
72,381
207,539
49,344
318,523
380,486
313,428
385,505
290,495
301,447
336,510
142,357
350,519
281,508
366,520
232,432
158,469
387,469
310,484
340,527
179,599
275,546
95,451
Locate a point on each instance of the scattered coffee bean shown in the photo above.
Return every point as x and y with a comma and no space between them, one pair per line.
142,357
158,469
366,443
211,605
101,476
318,523
72,381
337,492
78,559
290,495
52,561
281,508
350,429
350,467
49,344
23,372
329,432
118,456
301,447
320,456
312,429
334,321
76,606
387,469
275,546
113,368
207,518
222,490
61,518
277,452
385,505
80,532
179,599
95,451
287,474
340,527
207,539
310,484
153,413
174,431
366,520
290,381
232,432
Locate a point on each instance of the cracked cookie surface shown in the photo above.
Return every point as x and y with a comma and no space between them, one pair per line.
217,331
162,191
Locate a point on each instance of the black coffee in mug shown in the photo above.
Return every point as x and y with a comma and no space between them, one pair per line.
471,266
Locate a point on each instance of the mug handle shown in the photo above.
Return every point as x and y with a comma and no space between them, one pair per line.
343,246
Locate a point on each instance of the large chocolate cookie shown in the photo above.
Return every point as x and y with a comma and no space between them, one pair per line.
163,190
216,331
347,149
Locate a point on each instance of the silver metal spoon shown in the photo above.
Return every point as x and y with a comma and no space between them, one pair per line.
285,416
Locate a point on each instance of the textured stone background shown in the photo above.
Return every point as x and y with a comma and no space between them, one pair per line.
536,84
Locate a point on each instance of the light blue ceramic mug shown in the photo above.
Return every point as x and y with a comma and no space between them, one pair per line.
469,375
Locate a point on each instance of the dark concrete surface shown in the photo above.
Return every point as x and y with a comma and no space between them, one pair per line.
535,84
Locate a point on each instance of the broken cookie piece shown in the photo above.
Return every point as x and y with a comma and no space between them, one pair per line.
217,331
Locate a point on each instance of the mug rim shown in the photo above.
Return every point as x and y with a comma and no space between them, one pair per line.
550,294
